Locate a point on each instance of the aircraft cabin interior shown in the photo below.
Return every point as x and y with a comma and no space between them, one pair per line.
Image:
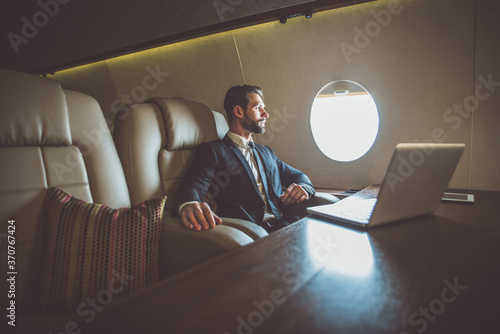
203,166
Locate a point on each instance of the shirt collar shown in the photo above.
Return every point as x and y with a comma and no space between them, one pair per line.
238,140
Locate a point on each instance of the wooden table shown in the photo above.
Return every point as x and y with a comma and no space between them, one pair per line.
434,274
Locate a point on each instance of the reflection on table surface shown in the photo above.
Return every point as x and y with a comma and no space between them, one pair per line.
433,274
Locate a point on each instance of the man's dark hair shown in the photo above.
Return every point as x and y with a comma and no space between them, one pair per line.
237,96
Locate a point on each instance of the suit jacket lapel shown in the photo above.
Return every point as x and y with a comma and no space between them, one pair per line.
264,162
264,174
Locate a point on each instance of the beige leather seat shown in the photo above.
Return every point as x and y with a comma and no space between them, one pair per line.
49,137
156,142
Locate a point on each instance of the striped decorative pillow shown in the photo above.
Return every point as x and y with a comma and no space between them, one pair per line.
94,251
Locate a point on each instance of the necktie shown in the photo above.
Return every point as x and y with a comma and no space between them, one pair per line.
272,205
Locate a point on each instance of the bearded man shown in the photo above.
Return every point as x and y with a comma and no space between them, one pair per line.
259,188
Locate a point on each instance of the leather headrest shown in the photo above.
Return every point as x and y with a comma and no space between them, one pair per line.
220,124
33,111
187,123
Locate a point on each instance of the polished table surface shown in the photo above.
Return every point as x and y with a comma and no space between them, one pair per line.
433,274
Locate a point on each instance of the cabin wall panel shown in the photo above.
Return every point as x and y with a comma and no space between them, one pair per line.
199,70
486,145
414,71
94,80
417,67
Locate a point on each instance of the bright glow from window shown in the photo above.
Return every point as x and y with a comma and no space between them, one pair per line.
340,250
344,122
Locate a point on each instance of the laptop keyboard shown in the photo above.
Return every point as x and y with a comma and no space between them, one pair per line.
359,210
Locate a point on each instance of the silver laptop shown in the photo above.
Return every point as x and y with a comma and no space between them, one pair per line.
415,181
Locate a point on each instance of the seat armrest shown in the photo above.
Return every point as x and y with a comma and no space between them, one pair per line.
320,198
181,248
253,230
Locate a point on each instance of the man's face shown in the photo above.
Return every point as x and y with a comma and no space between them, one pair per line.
254,118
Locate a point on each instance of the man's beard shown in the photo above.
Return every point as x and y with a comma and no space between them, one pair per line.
252,126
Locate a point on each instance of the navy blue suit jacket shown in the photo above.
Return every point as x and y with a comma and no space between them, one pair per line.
220,170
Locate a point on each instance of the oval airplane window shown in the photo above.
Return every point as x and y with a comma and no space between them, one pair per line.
344,120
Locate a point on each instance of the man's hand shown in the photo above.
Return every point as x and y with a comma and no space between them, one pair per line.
294,194
198,216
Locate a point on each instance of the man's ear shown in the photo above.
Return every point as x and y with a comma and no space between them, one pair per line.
238,112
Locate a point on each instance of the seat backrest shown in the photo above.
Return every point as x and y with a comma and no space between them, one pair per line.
156,141
49,137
